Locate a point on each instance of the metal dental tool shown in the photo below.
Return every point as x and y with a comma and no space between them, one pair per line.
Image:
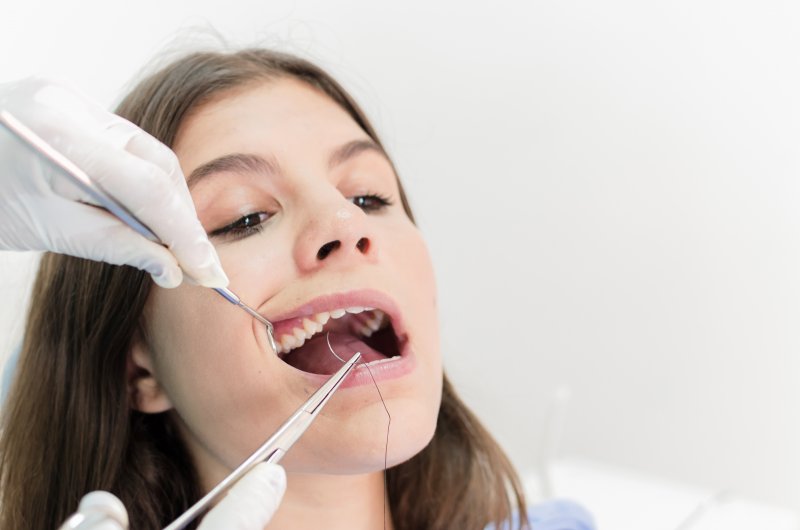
278,444
78,177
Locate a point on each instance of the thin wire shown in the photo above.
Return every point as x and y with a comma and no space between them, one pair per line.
388,425
328,338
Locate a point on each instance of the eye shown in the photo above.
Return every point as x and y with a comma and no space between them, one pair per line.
245,226
371,202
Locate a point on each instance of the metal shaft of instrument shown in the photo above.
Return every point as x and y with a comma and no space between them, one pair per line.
229,295
275,447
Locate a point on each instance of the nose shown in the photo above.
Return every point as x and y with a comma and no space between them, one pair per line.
362,245
334,235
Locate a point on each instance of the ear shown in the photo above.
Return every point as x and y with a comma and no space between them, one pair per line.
147,394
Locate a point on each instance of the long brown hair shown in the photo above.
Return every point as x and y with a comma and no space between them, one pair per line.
69,427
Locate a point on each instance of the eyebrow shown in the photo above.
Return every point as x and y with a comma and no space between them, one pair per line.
250,163
350,149
241,162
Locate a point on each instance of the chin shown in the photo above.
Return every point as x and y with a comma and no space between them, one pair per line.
361,448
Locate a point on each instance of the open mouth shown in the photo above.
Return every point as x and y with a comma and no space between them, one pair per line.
303,342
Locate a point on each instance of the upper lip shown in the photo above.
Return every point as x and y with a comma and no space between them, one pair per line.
369,298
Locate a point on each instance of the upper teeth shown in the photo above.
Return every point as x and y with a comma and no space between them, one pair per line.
313,324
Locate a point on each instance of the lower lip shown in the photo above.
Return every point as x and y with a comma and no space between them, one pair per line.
369,374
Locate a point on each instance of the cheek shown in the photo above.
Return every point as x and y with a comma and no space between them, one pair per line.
218,379
190,328
259,265
414,417
414,270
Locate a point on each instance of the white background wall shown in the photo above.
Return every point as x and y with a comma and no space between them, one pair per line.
609,188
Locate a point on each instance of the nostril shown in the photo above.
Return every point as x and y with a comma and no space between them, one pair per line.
327,248
363,245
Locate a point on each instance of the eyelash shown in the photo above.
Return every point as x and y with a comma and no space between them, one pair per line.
378,202
244,227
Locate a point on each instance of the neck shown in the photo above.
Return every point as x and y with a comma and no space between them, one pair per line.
333,502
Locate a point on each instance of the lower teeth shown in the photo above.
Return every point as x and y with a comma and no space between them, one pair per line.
379,361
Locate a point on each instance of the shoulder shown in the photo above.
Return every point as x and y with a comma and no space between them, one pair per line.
554,515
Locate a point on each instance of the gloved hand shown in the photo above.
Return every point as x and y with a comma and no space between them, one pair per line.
40,210
249,505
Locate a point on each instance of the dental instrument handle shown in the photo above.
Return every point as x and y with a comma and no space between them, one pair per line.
81,179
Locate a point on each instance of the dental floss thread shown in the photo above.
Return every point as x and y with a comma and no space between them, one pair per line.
328,340
388,424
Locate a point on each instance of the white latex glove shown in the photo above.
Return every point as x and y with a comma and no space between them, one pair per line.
98,510
40,210
249,505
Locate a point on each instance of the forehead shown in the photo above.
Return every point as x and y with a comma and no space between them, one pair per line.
284,117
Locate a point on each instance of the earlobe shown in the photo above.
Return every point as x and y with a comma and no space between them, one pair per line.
146,393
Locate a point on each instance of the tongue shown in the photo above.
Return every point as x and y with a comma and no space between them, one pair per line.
315,357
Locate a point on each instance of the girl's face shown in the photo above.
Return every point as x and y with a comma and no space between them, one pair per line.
305,213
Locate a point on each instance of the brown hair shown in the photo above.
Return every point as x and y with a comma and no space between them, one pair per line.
69,426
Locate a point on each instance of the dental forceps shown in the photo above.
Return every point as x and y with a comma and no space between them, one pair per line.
79,178
278,444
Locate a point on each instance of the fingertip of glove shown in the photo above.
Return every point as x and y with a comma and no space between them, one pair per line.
168,278
107,504
202,264
273,475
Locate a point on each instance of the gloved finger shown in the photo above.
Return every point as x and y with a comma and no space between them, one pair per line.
105,524
106,503
68,108
130,248
102,511
122,134
95,234
54,109
125,135
92,522
151,195
142,145
251,503
148,148
64,116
